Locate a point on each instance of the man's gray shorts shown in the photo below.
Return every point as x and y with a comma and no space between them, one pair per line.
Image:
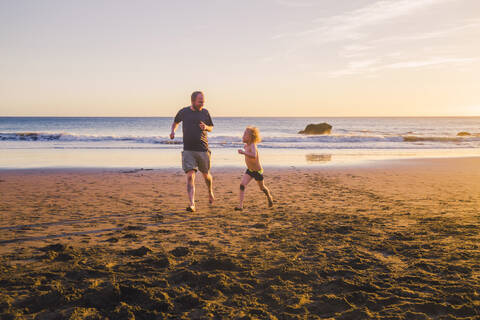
193,160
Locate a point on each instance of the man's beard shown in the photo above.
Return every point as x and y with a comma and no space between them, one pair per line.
197,107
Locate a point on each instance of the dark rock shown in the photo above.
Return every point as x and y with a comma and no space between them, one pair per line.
320,128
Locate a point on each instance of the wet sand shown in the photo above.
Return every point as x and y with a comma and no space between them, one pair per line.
396,240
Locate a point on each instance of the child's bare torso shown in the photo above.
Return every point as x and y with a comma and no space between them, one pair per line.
252,163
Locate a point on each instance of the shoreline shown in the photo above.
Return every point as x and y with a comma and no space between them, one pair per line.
370,163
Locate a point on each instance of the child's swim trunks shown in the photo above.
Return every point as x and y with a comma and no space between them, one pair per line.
257,175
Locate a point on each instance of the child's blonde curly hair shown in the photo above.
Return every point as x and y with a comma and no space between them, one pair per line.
254,133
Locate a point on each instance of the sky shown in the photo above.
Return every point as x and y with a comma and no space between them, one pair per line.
251,57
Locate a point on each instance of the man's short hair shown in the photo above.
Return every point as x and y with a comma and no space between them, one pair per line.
195,94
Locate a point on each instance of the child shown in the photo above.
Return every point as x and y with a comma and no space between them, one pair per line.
251,137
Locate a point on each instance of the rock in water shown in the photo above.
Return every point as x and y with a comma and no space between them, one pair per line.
464,133
320,128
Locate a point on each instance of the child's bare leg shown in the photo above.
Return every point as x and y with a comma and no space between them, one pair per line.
265,190
243,185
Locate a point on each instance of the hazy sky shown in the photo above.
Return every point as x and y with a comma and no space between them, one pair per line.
251,58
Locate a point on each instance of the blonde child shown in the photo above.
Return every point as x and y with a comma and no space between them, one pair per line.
251,137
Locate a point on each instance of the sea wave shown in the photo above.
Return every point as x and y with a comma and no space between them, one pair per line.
294,141
70,137
432,139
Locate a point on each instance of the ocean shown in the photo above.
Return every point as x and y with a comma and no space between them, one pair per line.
29,142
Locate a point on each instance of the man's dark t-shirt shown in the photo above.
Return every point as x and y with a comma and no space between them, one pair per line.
194,138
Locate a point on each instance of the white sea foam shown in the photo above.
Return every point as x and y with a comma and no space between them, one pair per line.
341,141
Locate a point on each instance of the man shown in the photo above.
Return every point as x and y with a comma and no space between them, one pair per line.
195,154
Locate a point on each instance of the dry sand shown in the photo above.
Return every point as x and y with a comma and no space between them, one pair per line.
398,240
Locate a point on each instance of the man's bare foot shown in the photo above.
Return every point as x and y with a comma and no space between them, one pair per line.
238,209
191,209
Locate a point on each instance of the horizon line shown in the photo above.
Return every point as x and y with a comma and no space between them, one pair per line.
224,116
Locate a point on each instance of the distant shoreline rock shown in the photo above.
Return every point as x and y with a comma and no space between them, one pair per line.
320,128
463,134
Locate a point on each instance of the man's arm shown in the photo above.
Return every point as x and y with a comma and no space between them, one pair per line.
205,127
208,124
174,127
178,118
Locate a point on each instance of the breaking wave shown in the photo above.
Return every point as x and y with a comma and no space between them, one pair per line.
344,140
40,136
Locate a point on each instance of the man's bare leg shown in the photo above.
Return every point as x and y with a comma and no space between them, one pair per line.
209,181
191,189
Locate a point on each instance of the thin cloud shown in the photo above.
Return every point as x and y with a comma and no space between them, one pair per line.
349,25
367,67
398,59
429,62
357,39
468,25
363,49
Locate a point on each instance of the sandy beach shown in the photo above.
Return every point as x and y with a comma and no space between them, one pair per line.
393,240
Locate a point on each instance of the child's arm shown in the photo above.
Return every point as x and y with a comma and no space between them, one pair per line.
250,151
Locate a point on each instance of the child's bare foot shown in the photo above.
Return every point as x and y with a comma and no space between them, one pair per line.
269,197
238,208
211,198
191,209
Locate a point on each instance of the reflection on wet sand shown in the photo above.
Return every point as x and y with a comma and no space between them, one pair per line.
315,157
